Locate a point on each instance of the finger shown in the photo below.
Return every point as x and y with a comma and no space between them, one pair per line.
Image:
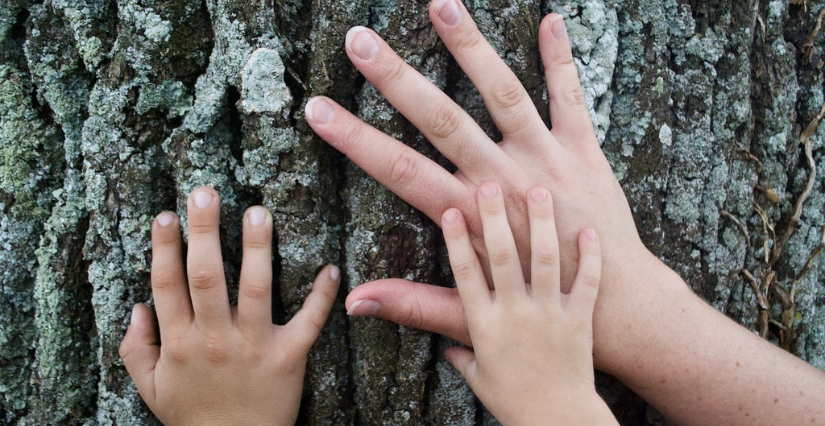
464,361
469,277
585,288
140,352
568,108
451,130
303,329
168,283
255,288
204,264
423,306
509,104
505,266
544,246
412,176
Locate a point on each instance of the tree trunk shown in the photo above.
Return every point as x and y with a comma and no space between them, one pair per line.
111,111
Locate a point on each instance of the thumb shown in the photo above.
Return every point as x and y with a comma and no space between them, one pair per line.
428,307
140,351
303,329
463,360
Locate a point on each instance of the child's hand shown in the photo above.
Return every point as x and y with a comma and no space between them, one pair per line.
218,365
532,361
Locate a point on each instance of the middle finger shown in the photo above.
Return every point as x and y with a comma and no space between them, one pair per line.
204,264
509,105
451,130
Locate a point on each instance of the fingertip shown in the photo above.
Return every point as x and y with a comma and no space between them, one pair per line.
488,190
165,228
326,282
451,217
257,216
589,241
165,218
320,110
334,273
351,33
141,330
539,194
203,197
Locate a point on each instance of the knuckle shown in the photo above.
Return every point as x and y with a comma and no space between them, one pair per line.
444,121
574,98
177,352
589,278
546,257
256,291
216,351
403,168
203,278
563,60
410,315
468,40
501,256
257,242
464,269
351,136
195,227
163,278
394,71
507,93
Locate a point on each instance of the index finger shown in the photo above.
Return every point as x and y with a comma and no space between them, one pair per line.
406,172
168,283
469,277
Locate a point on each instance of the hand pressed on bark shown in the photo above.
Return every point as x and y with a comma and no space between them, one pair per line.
649,329
567,160
532,359
219,364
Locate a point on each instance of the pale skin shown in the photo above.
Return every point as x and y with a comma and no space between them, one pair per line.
220,364
650,330
531,363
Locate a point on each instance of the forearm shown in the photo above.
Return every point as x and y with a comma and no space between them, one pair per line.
695,365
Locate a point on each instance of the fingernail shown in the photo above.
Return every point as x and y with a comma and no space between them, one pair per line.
364,308
489,191
451,217
539,195
335,273
257,216
449,11
203,198
362,43
135,313
559,29
591,234
165,218
319,110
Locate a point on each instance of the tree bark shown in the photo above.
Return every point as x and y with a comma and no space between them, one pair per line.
111,111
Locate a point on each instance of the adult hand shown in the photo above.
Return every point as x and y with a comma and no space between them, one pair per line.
567,160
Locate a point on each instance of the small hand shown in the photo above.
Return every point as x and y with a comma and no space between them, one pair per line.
532,359
567,160
218,365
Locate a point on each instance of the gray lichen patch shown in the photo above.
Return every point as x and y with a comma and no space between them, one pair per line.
262,80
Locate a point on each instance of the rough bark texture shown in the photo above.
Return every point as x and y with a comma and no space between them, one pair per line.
113,110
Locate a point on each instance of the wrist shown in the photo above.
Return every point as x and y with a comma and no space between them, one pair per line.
637,291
